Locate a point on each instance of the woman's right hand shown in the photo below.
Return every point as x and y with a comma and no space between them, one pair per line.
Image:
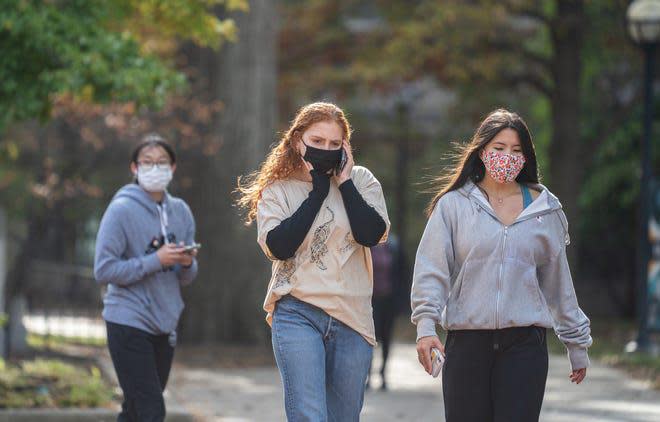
170,255
424,346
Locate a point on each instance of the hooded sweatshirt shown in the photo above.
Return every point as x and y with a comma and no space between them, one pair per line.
141,293
473,272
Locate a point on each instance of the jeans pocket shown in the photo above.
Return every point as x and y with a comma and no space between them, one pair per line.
449,341
540,333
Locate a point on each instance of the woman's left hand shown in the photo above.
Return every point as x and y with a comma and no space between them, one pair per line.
346,172
578,375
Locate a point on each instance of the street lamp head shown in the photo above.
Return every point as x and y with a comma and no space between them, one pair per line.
643,20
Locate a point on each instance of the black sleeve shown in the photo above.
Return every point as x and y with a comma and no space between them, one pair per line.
284,240
367,225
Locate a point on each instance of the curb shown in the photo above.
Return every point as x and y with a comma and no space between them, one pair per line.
76,415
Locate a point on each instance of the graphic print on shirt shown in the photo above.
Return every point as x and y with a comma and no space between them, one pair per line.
318,247
349,243
284,272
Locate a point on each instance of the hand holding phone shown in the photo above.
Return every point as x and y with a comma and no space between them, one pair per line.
342,162
345,166
437,360
190,248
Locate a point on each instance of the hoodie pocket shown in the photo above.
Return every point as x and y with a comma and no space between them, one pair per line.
456,288
521,303
472,304
142,293
471,285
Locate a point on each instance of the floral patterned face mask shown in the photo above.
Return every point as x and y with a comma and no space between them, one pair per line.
502,167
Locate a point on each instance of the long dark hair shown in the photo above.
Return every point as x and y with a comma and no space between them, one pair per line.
469,165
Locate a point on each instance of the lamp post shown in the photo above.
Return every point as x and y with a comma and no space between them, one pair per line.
643,21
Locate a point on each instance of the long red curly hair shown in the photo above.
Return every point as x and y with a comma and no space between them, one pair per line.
284,159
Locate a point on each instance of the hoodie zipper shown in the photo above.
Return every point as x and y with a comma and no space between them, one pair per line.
499,280
504,239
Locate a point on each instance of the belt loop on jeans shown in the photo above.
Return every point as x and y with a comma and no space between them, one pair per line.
496,340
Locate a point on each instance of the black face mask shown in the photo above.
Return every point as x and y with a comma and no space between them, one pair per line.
322,160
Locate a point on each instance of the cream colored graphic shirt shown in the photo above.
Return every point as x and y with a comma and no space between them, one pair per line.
330,269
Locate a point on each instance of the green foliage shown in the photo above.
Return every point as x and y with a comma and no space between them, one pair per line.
52,383
182,18
97,51
42,342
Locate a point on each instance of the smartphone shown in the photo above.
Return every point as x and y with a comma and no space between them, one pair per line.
190,248
437,360
342,161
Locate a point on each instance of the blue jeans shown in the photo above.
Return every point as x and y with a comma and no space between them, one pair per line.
323,363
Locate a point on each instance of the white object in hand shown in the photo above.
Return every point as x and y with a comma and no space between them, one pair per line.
437,360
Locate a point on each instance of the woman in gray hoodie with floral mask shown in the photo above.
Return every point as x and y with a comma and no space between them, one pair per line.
141,259
491,269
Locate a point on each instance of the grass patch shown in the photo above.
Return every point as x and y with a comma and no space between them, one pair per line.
39,342
52,383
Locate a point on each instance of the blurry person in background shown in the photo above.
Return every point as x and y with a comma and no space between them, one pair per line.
140,257
386,298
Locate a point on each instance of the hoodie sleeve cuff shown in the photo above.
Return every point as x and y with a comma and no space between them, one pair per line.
578,357
151,263
425,328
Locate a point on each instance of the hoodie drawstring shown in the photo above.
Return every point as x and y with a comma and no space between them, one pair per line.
162,213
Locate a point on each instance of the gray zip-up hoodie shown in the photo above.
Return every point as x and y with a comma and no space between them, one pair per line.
473,272
141,293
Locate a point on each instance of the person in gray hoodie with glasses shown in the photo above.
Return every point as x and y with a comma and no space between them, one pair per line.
141,258
491,270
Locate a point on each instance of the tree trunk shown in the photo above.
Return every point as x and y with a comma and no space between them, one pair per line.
3,275
224,303
566,162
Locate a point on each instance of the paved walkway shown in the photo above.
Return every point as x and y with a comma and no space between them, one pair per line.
255,394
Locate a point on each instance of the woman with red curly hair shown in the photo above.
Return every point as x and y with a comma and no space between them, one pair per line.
317,216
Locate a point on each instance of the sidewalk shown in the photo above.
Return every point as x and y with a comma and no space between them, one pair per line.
255,394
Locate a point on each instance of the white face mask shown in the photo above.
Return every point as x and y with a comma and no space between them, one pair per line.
154,180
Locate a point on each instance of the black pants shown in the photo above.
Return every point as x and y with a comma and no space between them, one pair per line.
142,362
495,375
384,315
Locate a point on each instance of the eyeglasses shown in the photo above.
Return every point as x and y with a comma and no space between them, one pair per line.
148,165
